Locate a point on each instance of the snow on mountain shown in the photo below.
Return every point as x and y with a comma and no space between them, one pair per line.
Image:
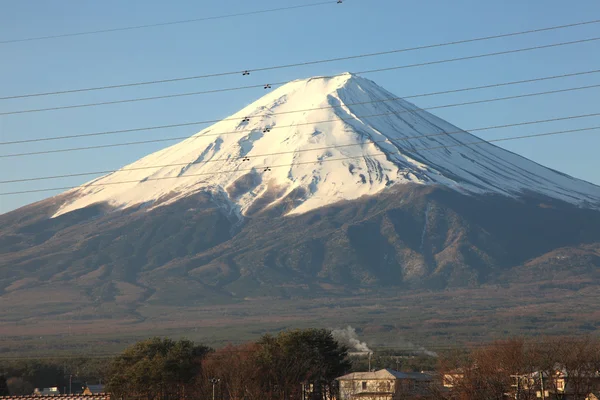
323,140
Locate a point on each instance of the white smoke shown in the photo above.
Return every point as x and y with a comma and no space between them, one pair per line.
428,352
349,337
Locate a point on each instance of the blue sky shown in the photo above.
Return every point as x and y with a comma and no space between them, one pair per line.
354,27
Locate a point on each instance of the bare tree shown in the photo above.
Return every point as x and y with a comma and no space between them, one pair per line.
577,366
235,368
495,371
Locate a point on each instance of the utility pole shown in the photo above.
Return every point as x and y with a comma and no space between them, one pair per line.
70,384
214,381
542,385
370,353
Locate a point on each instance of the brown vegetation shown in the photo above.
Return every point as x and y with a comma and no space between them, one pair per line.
304,364
292,365
552,368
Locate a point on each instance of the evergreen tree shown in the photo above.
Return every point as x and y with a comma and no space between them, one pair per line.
3,386
156,369
311,358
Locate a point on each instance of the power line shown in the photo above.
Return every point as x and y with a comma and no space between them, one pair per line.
547,46
308,123
139,99
186,21
461,131
307,162
488,86
323,61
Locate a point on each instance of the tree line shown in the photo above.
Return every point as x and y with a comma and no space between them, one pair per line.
303,365
554,368
297,364
21,376
290,365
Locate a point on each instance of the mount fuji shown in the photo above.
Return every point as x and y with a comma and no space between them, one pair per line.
329,186
319,141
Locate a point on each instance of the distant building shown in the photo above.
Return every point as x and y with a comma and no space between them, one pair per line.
93,389
46,391
385,384
559,384
452,378
74,388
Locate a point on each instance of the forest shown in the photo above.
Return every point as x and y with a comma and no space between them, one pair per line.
304,364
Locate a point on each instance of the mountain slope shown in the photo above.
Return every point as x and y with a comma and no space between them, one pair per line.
328,139
196,225
192,252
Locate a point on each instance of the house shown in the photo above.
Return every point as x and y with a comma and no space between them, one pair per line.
547,385
385,384
46,391
452,378
93,389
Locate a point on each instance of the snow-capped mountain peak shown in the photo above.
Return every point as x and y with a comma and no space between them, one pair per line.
317,141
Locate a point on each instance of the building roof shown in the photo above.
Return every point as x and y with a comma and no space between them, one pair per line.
371,395
95,388
385,374
44,391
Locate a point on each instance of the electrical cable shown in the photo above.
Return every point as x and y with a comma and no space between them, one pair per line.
461,131
275,67
186,21
270,85
488,86
269,167
33,153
